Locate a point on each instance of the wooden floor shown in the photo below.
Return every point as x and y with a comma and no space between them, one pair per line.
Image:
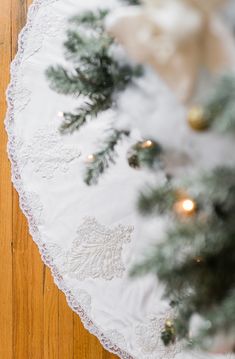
35,321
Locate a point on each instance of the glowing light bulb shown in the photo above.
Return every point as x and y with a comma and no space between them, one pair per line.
185,207
147,144
60,114
90,158
188,205
199,259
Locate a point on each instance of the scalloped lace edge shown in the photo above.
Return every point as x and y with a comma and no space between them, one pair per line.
24,205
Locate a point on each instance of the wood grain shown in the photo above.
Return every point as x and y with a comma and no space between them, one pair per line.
35,320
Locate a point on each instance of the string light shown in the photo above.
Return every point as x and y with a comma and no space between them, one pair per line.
60,114
146,144
90,158
186,207
198,259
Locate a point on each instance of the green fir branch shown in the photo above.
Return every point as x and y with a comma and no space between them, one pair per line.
219,317
63,81
81,48
90,19
156,200
195,260
219,108
133,2
95,75
104,157
89,110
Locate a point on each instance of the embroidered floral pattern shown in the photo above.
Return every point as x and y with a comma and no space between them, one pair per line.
50,26
96,252
47,153
148,338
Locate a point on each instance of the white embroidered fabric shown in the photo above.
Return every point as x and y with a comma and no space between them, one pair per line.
87,236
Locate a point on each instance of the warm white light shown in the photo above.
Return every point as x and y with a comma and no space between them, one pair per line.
185,207
199,259
90,158
147,144
60,114
188,205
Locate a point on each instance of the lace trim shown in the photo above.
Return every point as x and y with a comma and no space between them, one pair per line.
35,204
24,200
22,95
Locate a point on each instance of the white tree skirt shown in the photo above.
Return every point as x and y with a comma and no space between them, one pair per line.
87,236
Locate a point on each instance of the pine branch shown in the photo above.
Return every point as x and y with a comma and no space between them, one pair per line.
89,110
104,157
96,75
81,47
219,317
220,106
64,82
90,19
196,256
156,200
133,2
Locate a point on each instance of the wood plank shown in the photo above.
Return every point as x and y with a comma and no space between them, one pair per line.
35,302
18,18
35,275
108,355
51,317
20,232
86,345
65,328
95,349
81,340
20,282
5,193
